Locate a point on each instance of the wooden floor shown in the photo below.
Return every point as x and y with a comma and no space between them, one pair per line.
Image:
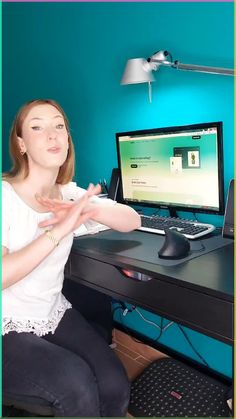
134,355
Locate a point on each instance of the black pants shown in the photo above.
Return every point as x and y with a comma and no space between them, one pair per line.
93,305
74,369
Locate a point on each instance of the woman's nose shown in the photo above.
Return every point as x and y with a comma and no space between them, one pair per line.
52,134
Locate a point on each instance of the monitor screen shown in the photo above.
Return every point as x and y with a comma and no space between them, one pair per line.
173,167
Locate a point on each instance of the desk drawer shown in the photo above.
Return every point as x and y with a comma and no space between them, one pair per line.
207,314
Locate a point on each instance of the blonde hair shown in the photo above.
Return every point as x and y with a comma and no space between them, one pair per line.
20,162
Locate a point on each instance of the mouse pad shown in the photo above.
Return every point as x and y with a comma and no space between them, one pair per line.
147,249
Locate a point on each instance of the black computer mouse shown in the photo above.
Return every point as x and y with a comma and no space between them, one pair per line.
176,246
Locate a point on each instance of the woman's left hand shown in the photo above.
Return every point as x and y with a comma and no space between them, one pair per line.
60,208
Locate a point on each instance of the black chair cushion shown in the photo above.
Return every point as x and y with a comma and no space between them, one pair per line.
170,388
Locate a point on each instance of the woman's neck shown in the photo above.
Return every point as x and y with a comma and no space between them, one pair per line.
43,183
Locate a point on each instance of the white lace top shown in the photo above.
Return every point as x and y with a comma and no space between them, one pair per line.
35,303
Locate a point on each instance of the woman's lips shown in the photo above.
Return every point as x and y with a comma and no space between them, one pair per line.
54,150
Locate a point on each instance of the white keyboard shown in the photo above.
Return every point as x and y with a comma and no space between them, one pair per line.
189,228
82,230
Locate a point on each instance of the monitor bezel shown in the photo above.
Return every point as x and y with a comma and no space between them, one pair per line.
173,129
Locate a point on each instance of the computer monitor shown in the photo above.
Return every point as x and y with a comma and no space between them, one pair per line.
178,168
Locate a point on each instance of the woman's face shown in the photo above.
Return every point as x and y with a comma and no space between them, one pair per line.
44,137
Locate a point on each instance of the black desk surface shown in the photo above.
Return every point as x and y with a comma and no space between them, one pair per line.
196,292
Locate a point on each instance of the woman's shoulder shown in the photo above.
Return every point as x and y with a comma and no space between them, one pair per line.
8,195
6,186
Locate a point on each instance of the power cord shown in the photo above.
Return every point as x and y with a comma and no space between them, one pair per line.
161,328
126,310
146,320
190,343
122,306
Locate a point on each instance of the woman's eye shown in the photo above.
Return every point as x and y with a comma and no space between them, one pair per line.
60,126
36,128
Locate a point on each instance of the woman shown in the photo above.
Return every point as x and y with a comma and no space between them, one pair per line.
49,350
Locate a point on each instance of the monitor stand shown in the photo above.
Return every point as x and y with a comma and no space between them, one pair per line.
173,212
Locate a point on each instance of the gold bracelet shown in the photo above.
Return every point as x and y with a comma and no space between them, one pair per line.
52,237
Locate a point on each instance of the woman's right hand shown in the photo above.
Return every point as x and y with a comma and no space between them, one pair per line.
68,216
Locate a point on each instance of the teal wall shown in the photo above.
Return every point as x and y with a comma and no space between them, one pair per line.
76,52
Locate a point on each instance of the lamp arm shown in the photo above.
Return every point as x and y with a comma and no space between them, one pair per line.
198,68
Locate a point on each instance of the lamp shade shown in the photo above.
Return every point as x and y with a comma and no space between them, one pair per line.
137,71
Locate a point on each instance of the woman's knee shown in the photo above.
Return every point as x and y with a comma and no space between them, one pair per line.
76,393
120,383
115,388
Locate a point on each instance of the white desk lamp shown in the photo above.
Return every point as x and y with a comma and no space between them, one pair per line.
139,70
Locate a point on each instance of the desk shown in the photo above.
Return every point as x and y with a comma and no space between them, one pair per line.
197,293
